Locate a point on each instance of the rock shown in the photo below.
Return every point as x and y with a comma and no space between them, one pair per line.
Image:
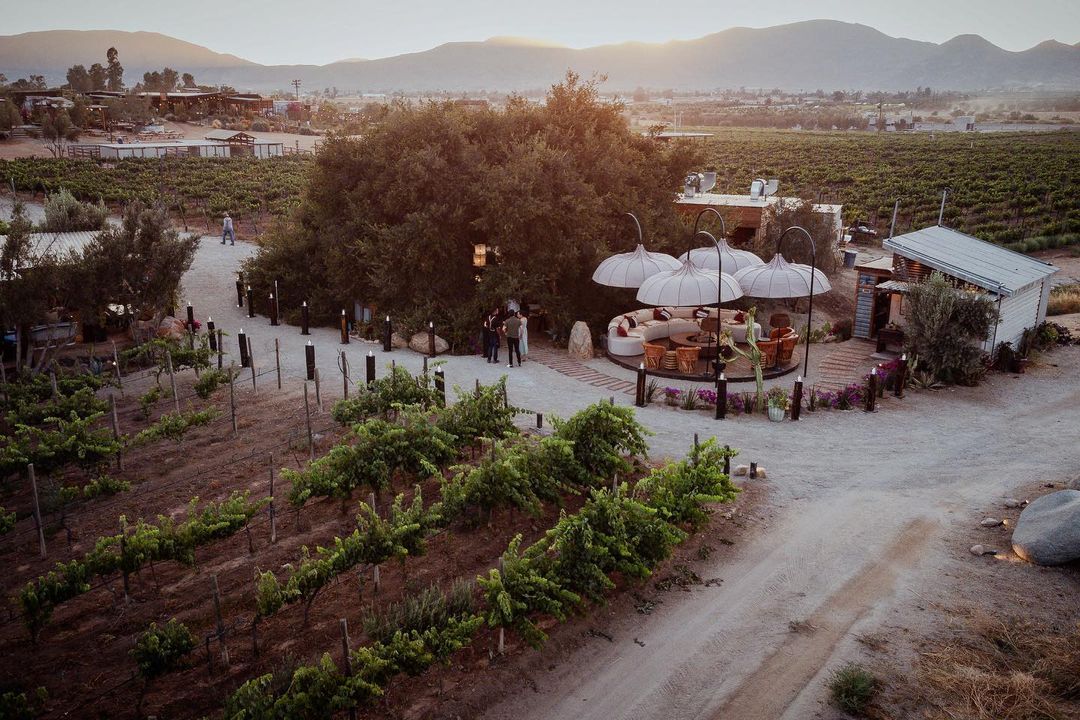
990,522
740,470
580,345
1048,531
398,342
1074,484
982,550
1011,502
419,343
172,328
761,473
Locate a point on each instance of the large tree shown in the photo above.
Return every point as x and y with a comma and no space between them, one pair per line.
114,73
391,217
79,79
57,131
99,77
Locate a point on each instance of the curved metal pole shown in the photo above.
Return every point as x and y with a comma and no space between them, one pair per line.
640,237
719,297
810,307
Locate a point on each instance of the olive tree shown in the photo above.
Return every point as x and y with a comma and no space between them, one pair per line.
945,328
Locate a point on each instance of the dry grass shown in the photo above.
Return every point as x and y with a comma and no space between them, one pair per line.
1017,669
1064,300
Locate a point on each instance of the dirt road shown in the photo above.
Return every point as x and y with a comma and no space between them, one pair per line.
861,507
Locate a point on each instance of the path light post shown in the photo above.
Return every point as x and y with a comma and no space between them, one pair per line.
239,289
245,358
344,328
309,360
190,318
250,302
304,319
370,368
210,332
431,338
721,397
273,310
388,331
796,399
639,394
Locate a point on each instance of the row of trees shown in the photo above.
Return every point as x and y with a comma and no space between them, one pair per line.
99,77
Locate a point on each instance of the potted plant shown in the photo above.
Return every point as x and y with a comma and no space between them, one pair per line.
779,401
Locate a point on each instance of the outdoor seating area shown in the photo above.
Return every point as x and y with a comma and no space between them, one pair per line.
665,359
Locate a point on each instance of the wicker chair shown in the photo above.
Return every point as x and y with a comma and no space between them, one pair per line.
781,332
710,325
768,350
787,348
654,356
687,357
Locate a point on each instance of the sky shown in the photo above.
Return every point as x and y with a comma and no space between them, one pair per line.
323,31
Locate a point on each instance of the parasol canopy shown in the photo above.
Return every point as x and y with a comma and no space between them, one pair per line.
780,279
629,270
733,260
688,286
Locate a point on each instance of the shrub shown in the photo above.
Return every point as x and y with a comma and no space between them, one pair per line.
175,425
479,414
1064,300
602,435
7,521
148,399
209,381
159,650
104,485
63,213
679,490
945,327
396,390
852,687
419,611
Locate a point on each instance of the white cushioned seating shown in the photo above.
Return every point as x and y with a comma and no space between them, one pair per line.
682,321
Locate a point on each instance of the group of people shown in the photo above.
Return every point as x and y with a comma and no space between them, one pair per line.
511,324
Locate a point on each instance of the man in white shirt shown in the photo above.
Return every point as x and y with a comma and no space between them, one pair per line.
227,231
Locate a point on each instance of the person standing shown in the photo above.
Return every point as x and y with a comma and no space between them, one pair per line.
512,327
494,323
227,230
485,338
523,342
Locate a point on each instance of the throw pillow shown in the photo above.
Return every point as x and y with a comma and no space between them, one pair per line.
663,314
701,313
656,314
621,331
739,317
631,320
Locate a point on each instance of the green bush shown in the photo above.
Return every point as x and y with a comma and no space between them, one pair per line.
418,611
148,399
175,425
63,213
160,650
678,491
852,687
603,434
397,389
7,521
209,381
482,414
945,327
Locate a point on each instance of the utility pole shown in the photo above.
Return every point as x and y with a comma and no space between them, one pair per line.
296,87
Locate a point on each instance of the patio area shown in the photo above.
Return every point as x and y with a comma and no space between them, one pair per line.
736,369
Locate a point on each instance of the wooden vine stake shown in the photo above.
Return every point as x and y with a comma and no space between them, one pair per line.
375,572
348,660
273,515
123,550
116,367
172,380
220,622
307,419
277,360
37,510
232,396
116,431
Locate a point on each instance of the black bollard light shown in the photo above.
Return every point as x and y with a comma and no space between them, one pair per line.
639,395
251,302
796,399
901,377
370,368
239,290
344,328
211,333
721,397
753,471
388,331
871,391
304,319
431,338
190,318
539,421
440,385
309,358
273,310
245,358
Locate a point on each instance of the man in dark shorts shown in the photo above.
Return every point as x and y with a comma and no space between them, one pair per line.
512,327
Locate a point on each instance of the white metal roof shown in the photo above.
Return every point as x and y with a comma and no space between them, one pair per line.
978,262
58,244
747,201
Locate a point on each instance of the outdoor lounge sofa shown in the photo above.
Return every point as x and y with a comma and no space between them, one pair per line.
682,321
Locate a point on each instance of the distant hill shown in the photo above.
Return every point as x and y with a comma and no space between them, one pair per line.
824,54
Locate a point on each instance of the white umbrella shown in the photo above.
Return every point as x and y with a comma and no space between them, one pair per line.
733,260
688,286
780,279
629,270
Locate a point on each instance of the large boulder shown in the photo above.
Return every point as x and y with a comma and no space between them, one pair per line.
419,342
580,345
172,328
1048,531
398,342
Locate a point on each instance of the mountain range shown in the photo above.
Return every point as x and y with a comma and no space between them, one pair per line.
825,54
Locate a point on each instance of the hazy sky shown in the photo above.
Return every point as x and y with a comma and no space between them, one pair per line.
322,31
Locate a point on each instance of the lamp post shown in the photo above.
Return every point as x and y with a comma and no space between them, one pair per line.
813,272
719,292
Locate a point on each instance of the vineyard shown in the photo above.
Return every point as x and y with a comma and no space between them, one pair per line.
441,531
1009,188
